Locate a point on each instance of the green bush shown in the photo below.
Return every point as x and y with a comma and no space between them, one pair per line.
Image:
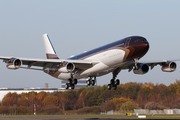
129,106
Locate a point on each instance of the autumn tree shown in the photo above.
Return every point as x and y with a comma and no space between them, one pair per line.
176,103
172,90
23,110
82,100
90,96
82,89
62,101
115,103
107,95
153,106
177,87
10,99
31,98
163,90
4,110
130,90
23,100
40,97
129,106
50,109
71,100
50,100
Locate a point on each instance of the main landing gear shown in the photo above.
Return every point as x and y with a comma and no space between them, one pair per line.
71,82
91,81
114,82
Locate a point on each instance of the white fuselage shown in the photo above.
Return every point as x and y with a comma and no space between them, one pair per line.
108,60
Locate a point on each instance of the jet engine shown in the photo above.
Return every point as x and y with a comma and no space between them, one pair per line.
14,64
141,69
169,67
68,68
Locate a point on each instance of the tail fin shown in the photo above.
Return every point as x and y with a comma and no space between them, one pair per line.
50,51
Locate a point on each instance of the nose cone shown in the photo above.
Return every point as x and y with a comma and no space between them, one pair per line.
145,46
141,49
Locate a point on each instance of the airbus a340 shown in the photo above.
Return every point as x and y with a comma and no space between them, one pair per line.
113,57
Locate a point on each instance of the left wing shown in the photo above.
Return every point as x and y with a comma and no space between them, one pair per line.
142,67
15,63
164,63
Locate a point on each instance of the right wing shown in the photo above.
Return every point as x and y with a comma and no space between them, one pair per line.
14,63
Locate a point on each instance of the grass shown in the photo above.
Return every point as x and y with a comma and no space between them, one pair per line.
93,116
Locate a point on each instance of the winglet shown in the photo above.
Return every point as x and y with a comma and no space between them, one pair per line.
50,51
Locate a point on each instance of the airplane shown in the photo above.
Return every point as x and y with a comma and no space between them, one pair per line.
113,57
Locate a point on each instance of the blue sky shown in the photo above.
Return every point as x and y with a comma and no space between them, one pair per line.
75,26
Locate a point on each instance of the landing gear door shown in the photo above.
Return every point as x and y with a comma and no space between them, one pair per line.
127,42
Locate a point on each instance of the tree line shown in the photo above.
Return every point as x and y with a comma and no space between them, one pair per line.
98,99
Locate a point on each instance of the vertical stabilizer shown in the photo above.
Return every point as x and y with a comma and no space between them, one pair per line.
50,51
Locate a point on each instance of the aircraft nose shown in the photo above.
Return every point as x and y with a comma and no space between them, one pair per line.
141,49
145,46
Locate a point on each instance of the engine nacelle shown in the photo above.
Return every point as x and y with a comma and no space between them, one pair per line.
169,67
141,69
68,68
14,64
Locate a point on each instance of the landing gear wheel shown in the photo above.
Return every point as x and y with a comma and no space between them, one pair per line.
109,86
67,86
88,82
93,82
115,87
117,82
112,81
75,81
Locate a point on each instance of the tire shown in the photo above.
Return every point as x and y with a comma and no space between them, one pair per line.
117,82
109,86
112,81
67,86
75,81
88,82
93,82
72,86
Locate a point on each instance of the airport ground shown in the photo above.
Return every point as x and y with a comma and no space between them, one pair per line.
82,117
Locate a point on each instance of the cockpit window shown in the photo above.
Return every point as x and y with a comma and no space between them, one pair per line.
137,41
141,40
